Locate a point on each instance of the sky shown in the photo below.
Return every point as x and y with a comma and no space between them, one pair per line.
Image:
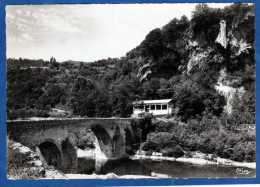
85,32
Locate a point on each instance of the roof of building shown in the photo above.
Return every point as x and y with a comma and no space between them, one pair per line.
159,101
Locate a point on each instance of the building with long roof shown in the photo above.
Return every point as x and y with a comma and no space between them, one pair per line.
155,107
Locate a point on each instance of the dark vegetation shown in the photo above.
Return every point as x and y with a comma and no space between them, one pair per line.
209,135
108,87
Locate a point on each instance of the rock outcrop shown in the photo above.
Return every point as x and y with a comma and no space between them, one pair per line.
23,162
201,59
238,46
228,91
222,36
144,71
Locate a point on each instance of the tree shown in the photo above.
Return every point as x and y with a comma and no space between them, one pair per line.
52,95
243,109
153,44
191,100
82,97
200,9
53,63
205,24
121,101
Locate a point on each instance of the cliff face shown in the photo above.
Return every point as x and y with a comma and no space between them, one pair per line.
229,92
227,33
216,43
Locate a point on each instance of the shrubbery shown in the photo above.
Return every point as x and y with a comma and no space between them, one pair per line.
208,135
176,151
26,113
146,146
85,139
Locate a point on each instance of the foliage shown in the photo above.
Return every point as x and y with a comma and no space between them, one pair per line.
192,99
208,135
205,24
176,151
85,139
149,146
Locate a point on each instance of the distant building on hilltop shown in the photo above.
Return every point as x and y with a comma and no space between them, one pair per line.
155,107
56,112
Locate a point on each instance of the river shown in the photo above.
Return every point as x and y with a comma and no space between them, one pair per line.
174,169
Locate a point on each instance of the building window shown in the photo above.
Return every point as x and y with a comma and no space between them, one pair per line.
158,107
164,107
139,107
147,108
152,107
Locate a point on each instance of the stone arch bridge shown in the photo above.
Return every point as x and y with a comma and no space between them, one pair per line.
56,138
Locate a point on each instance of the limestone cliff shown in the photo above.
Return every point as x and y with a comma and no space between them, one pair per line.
222,36
223,87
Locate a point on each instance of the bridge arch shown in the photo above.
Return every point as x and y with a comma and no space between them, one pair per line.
103,137
50,154
63,156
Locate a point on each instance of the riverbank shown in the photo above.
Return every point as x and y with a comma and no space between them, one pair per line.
196,158
59,175
107,176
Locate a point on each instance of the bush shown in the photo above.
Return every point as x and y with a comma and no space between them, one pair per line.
176,152
250,154
160,138
228,153
161,126
26,113
232,140
147,146
195,126
149,153
167,152
170,144
188,154
207,145
239,153
213,138
86,139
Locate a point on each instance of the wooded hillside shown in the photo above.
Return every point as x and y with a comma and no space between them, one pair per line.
181,61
